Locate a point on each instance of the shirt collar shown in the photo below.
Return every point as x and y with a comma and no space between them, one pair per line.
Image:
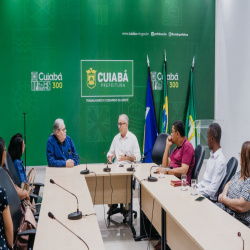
61,143
183,142
216,154
126,136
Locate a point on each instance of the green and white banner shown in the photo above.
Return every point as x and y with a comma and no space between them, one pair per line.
107,78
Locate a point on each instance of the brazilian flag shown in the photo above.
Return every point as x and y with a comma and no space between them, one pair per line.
190,129
164,124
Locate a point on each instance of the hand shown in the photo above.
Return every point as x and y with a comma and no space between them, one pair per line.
27,196
69,163
122,158
220,198
110,157
169,140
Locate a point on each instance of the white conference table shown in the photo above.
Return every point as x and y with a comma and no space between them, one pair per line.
188,224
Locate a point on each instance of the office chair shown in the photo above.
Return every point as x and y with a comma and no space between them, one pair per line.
231,169
159,148
199,154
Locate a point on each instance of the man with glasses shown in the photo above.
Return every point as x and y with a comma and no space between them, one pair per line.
58,147
124,148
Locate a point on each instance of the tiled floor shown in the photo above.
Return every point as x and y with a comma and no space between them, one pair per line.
118,235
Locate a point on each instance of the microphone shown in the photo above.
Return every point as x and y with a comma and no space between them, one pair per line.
53,218
151,178
131,169
239,234
107,169
75,215
86,171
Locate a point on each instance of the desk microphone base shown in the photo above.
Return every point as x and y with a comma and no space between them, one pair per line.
131,169
86,171
107,170
75,216
152,179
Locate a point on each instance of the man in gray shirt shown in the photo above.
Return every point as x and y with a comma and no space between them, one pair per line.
216,165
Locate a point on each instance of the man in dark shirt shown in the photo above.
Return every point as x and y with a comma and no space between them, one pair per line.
182,158
58,147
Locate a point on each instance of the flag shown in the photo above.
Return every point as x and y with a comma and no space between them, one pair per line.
190,129
164,119
150,128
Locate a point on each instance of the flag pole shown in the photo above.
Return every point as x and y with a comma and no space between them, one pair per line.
165,62
148,62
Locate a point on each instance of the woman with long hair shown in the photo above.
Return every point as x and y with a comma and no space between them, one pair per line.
16,149
235,198
23,194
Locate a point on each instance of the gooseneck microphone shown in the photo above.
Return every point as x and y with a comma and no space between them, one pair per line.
86,171
107,169
53,218
75,215
239,234
151,178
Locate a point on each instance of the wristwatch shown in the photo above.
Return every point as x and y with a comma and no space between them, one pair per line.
167,169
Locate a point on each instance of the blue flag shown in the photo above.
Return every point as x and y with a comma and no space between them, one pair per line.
150,129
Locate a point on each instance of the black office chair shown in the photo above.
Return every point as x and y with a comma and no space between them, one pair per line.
159,148
14,204
10,166
199,154
231,169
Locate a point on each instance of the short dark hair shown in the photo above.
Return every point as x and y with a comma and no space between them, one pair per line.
215,131
2,146
180,127
16,146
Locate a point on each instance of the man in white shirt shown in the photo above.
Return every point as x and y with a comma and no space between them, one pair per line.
124,147
216,165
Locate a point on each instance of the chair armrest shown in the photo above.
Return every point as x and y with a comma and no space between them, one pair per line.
33,197
36,214
38,184
27,232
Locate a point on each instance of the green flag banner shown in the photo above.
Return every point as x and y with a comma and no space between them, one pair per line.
190,130
164,118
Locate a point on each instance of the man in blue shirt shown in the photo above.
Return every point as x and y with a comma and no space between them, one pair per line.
58,147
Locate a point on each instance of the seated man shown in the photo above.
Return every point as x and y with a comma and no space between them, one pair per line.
58,145
182,158
216,165
124,147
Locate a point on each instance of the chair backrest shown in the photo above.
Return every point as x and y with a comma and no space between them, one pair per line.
159,148
13,198
10,165
199,154
231,169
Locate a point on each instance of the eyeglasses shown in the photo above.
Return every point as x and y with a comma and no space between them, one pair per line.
5,149
64,129
120,124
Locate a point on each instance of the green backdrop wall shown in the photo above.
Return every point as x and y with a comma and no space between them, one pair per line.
43,43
